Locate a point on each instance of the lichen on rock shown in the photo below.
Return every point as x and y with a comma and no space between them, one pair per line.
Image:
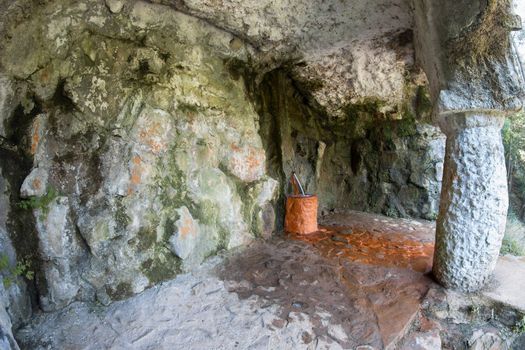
142,119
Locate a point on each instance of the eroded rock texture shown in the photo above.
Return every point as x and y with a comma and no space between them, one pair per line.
343,102
341,52
473,204
388,162
146,136
145,150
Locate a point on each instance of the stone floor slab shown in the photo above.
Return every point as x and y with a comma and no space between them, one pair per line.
508,284
361,282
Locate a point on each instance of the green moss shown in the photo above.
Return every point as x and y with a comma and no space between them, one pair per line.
189,109
163,266
423,103
222,241
392,213
519,327
121,218
102,231
432,216
41,203
171,180
122,291
147,236
370,106
207,212
486,38
512,246
169,228
10,273
514,238
405,127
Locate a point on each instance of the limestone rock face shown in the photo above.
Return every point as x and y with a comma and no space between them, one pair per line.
519,36
153,134
340,52
146,158
61,252
469,70
15,304
371,160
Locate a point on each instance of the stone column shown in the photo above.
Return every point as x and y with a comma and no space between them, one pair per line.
474,201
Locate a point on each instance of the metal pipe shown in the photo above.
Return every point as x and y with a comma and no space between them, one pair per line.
298,183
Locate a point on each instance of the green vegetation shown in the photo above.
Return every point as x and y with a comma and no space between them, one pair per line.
432,216
11,273
514,142
41,203
392,213
514,239
519,327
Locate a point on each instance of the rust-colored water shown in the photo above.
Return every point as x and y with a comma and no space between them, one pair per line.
372,247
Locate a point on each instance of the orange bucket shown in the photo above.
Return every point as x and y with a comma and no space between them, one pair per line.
301,214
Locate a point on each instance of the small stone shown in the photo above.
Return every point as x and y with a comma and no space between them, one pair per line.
279,323
103,297
338,239
347,231
236,44
337,332
35,184
299,305
423,341
115,6
307,338
485,341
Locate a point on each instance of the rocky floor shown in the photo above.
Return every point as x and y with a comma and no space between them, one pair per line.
361,282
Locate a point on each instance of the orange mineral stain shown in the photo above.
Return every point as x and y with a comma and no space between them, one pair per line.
136,173
372,247
150,136
35,136
37,184
254,159
187,228
234,147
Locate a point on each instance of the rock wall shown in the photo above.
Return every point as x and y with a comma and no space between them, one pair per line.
145,151
15,229
342,52
147,137
15,303
519,36
389,162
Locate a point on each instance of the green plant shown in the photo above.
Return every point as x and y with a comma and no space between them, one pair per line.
41,203
11,273
514,238
432,216
519,327
392,213
513,135
474,310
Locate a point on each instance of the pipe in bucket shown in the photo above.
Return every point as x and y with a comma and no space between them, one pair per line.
301,210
